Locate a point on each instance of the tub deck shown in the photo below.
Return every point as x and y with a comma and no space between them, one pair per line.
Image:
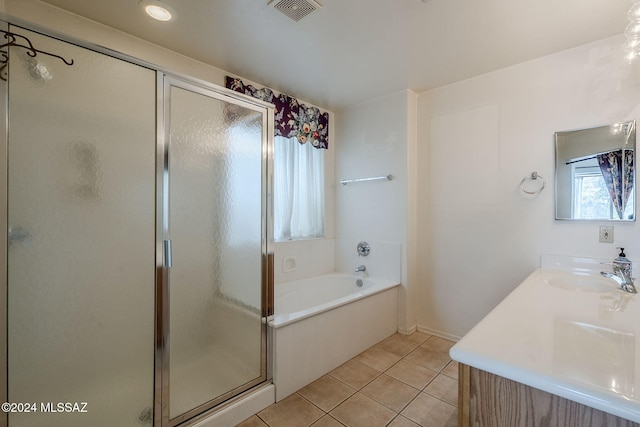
308,297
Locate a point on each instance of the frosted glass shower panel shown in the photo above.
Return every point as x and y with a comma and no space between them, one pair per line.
216,227
81,216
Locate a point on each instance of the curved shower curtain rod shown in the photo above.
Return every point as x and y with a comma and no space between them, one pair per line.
12,41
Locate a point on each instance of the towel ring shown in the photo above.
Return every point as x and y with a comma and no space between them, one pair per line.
533,177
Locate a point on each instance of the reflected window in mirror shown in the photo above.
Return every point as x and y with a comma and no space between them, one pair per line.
591,197
595,173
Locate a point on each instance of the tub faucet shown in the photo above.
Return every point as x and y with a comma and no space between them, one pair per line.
622,277
361,268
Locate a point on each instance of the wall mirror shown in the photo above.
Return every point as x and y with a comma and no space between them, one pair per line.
595,173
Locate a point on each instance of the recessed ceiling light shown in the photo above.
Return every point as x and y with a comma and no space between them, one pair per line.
158,10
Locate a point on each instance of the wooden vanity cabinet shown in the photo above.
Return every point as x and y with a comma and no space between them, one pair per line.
488,400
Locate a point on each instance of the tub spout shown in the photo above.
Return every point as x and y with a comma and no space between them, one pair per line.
361,268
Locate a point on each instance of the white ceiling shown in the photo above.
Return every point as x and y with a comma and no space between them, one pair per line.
352,51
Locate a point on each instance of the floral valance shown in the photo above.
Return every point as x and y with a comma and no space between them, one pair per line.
292,118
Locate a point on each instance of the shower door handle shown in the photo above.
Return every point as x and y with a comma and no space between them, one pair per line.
167,253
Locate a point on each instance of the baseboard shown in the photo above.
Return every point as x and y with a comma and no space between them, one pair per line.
407,331
440,334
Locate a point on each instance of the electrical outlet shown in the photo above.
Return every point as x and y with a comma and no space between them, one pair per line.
606,234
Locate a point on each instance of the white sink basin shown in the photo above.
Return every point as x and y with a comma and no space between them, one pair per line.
580,283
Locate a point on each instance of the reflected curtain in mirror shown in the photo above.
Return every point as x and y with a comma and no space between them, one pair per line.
617,171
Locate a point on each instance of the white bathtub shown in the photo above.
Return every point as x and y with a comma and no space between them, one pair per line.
323,321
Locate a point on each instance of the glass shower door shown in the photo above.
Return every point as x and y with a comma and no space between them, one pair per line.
81,238
217,226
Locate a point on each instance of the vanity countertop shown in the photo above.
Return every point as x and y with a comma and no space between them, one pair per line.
577,344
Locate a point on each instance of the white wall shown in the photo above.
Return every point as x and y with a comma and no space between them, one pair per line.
375,138
479,235
297,259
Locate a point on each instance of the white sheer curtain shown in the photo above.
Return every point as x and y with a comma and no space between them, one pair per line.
298,190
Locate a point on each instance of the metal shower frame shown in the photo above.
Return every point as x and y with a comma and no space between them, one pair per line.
161,416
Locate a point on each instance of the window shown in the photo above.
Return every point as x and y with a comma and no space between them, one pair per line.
298,190
301,137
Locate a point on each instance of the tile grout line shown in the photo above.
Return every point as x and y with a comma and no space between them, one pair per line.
414,346
363,386
380,373
422,390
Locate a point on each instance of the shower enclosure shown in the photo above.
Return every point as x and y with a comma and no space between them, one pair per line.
137,239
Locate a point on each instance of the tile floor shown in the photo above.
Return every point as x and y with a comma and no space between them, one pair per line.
403,381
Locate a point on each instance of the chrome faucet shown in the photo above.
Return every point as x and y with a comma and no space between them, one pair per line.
622,277
361,268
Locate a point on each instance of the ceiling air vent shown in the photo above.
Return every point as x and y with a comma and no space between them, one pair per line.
295,9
